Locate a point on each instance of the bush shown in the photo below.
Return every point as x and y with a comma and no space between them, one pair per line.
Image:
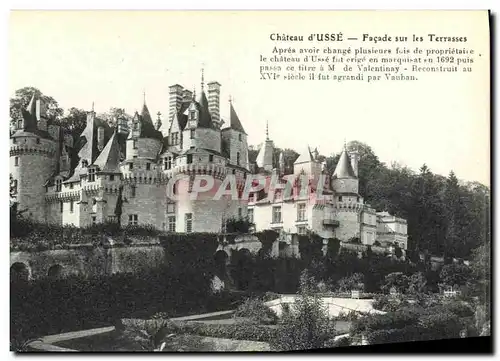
353,282
306,325
256,312
235,331
340,342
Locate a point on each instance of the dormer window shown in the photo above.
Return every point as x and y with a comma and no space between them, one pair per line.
58,185
85,163
91,175
134,144
148,166
189,158
192,115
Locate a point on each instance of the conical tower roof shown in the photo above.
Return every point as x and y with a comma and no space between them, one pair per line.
204,117
344,168
235,120
305,156
109,159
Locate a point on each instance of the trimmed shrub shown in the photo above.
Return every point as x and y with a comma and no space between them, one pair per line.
256,312
234,331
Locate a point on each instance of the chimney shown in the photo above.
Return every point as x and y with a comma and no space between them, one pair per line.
122,125
41,115
187,95
175,100
100,138
214,101
354,155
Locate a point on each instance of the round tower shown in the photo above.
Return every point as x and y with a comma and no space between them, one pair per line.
32,163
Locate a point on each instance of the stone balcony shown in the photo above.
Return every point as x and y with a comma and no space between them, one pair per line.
330,222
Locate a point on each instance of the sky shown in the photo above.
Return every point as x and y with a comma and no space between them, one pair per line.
112,57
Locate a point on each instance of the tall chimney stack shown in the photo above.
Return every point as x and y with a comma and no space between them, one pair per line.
214,101
175,100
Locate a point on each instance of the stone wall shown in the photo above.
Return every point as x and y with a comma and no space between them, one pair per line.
87,260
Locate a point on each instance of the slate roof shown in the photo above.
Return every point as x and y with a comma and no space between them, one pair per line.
344,167
305,156
109,159
235,120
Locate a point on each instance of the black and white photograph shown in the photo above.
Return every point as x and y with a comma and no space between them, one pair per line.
249,181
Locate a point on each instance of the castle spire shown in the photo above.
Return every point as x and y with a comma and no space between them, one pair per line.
92,107
202,79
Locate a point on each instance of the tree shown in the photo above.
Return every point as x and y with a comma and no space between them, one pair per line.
75,121
396,280
353,282
455,275
22,98
417,284
306,326
113,114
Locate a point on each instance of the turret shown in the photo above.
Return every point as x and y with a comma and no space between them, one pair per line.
236,139
144,141
265,156
200,131
33,159
307,164
344,179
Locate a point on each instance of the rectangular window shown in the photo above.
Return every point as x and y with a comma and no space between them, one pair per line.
58,185
171,223
175,138
71,206
14,140
170,207
111,177
134,144
148,166
132,191
130,166
71,186
133,219
276,214
340,198
240,212
238,158
211,158
301,212
301,230
94,220
91,174
168,163
16,161
189,222
250,215
192,134
239,137
61,206
189,158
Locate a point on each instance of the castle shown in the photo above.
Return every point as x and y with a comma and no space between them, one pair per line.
122,172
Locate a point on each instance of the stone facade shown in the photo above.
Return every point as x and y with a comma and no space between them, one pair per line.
125,174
